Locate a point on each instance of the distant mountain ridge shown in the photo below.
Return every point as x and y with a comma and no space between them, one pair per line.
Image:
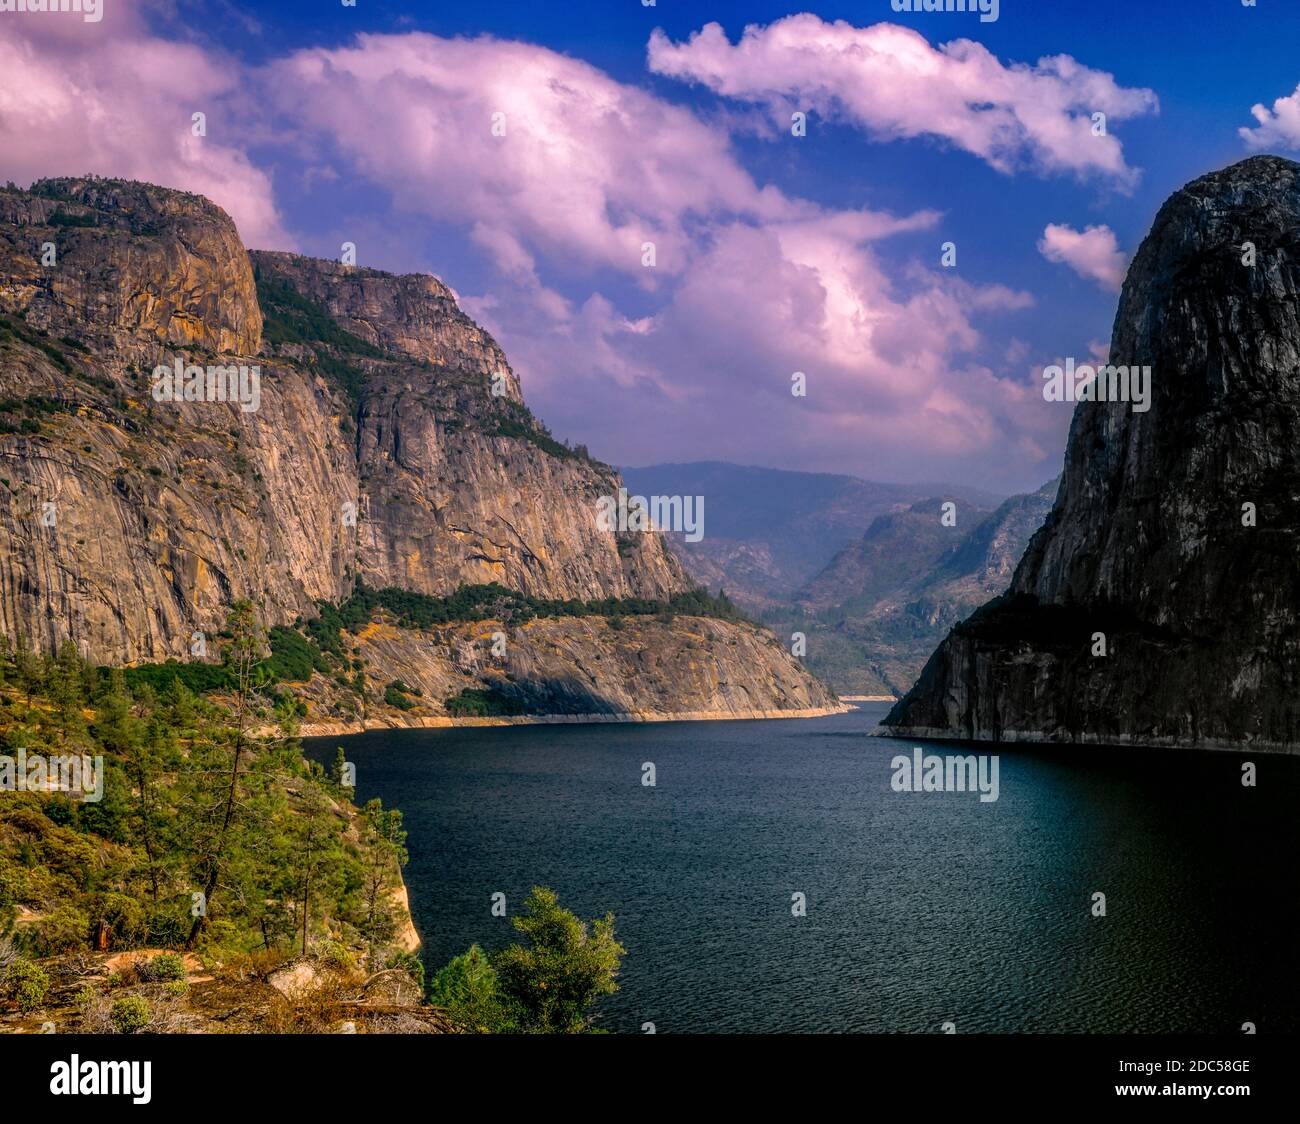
875,614
867,572
769,530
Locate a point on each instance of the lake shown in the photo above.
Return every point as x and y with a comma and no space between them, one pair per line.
921,908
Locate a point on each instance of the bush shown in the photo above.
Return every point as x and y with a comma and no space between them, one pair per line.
165,966
394,697
480,703
66,929
545,987
27,983
550,985
466,989
336,956
411,964
129,1014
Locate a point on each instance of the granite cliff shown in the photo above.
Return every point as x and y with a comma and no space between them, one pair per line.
390,448
1159,602
882,604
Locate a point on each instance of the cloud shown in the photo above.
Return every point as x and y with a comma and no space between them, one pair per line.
889,81
586,171
750,285
80,98
1278,127
1092,253
690,357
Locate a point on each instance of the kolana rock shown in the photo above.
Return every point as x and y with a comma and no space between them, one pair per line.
378,454
1151,541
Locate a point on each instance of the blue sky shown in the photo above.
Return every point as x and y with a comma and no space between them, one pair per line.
938,375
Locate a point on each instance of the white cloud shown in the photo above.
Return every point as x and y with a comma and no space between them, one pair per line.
1092,253
888,80
1278,127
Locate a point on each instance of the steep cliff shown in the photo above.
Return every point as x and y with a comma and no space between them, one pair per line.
389,444
1172,544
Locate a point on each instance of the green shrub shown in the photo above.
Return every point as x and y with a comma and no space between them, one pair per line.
394,697
546,986
27,983
466,989
129,1014
549,985
483,703
411,964
66,929
165,966
336,956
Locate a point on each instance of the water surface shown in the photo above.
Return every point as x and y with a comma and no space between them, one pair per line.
921,908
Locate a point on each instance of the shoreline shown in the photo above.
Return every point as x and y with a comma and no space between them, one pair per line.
1113,741
439,722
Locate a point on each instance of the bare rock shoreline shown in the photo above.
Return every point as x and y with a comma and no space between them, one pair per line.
426,722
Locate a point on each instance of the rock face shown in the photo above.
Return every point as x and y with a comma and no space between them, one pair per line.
907,583
458,485
578,667
391,443
153,268
414,314
1151,541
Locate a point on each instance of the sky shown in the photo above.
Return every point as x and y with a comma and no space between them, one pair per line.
527,152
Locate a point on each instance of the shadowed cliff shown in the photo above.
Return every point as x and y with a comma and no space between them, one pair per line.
1174,534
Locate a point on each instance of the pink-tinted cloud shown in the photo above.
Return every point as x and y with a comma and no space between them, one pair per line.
535,152
103,97
1092,253
890,81
750,284
1279,127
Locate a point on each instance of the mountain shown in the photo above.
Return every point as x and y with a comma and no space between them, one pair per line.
1158,605
875,613
769,530
893,551
389,449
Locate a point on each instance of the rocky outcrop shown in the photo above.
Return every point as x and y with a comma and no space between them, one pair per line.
135,269
1173,539
573,668
413,314
390,444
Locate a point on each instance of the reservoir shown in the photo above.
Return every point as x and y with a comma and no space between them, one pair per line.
922,908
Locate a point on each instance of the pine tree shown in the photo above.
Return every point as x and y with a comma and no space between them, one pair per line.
244,653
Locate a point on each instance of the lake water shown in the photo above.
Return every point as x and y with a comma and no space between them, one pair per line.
922,908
